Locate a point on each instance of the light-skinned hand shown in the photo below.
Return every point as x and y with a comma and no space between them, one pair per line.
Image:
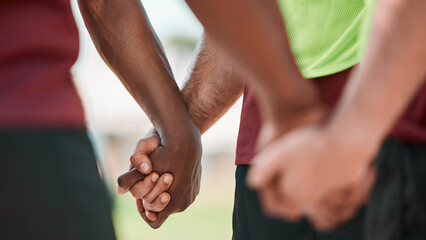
314,173
152,188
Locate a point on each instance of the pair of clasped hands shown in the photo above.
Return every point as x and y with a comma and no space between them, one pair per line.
306,170
313,167
179,162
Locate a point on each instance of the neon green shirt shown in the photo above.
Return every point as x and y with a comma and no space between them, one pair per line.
327,36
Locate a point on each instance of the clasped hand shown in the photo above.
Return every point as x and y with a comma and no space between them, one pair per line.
312,172
164,176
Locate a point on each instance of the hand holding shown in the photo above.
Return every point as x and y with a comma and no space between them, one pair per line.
145,185
314,173
178,158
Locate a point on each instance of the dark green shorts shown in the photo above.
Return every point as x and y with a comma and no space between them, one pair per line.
50,187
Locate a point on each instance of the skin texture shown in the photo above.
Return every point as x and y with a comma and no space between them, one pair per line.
338,165
213,86
253,33
125,50
149,191
209,94
284,98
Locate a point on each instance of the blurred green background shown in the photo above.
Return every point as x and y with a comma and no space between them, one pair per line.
208,221
209,218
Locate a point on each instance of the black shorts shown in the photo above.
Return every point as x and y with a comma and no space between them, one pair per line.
249,222
397,206
50,187
396,209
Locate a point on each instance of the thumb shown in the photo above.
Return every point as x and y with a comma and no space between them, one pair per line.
147,145
142,149
127,180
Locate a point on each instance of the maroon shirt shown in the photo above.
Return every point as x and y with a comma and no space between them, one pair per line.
39,43
411,127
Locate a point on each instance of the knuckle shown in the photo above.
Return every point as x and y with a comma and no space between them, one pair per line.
162,187
135,190
140,146
140,142
148,198
148,186
155,206
134,194
135,159
143,145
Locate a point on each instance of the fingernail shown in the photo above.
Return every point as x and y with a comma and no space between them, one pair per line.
154,178
145,167
147,213
164,199
168,179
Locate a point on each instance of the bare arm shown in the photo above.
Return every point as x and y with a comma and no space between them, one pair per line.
125,40
337,155
254,33
392,71
213,86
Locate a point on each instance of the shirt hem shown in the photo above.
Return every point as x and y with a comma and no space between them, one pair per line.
329,71
244,158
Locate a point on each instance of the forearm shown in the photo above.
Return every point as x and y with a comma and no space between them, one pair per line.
392,71
213,86
125,40
254,33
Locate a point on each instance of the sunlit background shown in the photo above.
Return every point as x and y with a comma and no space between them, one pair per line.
116,122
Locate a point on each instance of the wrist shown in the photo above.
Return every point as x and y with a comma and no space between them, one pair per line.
353,136
355,124
197,115
297,117
180,133
289,107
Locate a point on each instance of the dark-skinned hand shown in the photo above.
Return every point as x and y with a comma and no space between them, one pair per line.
178,158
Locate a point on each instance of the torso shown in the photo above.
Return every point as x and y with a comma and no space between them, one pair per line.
39,43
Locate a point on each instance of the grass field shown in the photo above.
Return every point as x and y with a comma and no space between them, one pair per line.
203,220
